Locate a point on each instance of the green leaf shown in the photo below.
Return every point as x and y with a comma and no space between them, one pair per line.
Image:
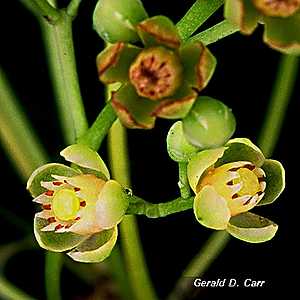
200,163
178,147
283,33
275,180
97,248
211,209
252,228
159,30
209,124
242,149
52,241
111,205
115,20
243,14
44,173
85,157
113,62
198,64
133,110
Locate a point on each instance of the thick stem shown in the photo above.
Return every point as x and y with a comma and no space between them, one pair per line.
185,190
215,33
135,261
61,56
17,135
196,16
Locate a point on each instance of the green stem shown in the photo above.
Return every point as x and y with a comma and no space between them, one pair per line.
199,264
61,56
98,131
16,134
281,94
215,33
196,16
53,266
284,85
139,206
136,265
185,190
42,8
73,7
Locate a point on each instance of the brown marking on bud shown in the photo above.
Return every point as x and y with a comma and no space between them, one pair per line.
261,179
51,220
230,182
110,58
49,193
57,183
77,218
248,201
46,206
277,8
235,196
250,167
59,226
82,203
76,189
234,169
260,193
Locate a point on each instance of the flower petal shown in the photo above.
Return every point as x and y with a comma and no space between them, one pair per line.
132,110
283,33
159,30
252,228
57,242
211,209
44,173
178,147
200,163
96,248
113,62
275,181
111,205
243,14
83,156
178,105
114,20
198,63
241,149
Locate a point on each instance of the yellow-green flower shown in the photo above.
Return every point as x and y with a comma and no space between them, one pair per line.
281,19
81,206
231,180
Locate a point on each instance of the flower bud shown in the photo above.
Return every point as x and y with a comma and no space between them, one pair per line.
209,124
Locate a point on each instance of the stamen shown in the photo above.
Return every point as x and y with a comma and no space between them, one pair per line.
82,203
49,193
57,183
59,226
51,220
47,206
76,189
235,196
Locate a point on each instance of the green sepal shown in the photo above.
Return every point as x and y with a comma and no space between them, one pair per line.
251,228
113,62
242,149
179,149
96,248
115,20
211,210
177,106
132,110
198,64
209,123
159,30
44,173
111,205
283,33
243,14
85,157
200,163
53,241
275,180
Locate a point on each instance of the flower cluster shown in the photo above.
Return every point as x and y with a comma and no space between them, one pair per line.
81,206
281,19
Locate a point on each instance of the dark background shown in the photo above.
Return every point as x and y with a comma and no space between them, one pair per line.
243,80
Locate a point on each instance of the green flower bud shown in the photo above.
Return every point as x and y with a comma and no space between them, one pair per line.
209,124
115,20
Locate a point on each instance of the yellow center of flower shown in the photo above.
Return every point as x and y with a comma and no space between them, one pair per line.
65,205
277,8
250,184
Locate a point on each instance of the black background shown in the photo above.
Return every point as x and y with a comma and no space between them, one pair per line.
243,80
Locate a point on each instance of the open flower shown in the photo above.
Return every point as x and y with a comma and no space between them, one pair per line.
280,17
160,80
81,207
228,182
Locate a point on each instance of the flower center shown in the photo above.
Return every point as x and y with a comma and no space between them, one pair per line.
156,73
277,8
65,205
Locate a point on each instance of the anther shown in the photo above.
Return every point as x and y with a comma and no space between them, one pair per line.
49,193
